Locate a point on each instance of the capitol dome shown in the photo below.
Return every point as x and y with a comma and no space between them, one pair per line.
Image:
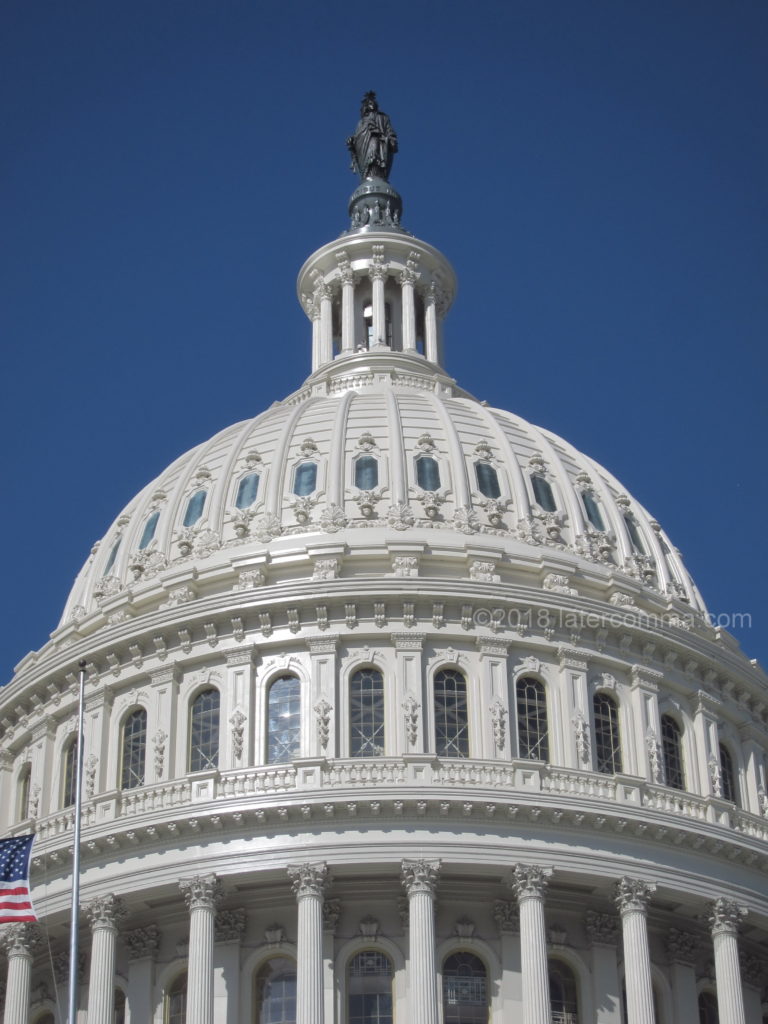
398,709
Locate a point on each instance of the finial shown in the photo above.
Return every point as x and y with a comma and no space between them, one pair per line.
374,203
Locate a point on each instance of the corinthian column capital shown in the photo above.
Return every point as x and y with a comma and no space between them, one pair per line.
105,912
420,875
202,892
529,881
633,894
725,916
20,939
308,879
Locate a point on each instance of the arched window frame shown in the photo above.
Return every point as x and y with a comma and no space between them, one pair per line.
120,1005
438,721
273,678
175,989
672,752
532,677
194,504
69,771
460,950
347,722
195,749
255,975
601,756
706,1007
240,484
566,1016
379,952
133,774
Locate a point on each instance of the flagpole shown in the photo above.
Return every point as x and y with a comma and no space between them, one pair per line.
75,908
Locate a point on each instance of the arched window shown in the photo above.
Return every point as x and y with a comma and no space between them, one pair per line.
532,731
607,739
672,752
728,776
69,775
487,480
247,490
112,557
369,988
22,800
451,717
284,720
148,533
366,473
119,1006
634,534
428,473
204,731
275,995
465,989
542,492
176,1002
305,480
591,507
563,994
708,1009
195,507
366,713
134,749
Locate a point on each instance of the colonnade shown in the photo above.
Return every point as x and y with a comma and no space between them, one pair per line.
420,878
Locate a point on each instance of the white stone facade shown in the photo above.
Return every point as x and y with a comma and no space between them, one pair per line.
604,820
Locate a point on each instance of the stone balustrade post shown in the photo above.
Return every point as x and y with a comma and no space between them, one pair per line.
419,878
104,915
309,882
18,942
529,884
202,893
632,896
724,918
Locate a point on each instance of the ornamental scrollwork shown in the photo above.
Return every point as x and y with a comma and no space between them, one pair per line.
323,712
400,516
725,915
633,894
308,879
21,938
237,720
602,929
682,947
229,925
106,911
420,876
333,518
506,914
142,943
498,718
202,892
529,881
581,733
411,709
653,747
465,520
331,914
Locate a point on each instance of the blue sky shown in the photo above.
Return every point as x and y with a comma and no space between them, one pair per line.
595,171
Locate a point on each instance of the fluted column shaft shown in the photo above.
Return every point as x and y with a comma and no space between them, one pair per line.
202,894
348,313
430,327
18,941
326,325
409,312
632,896
529,883
314,312
419,879
379,314
724,919
309,881
104,915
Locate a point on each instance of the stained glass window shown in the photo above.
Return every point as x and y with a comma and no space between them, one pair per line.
247,490
195,507
366,713
284,720
487,480
204,731
465,990
532,731
451,716
366,473
134,749
672,752
607,740
428,473
276,992
369,988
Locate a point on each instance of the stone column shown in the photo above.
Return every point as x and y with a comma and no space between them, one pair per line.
407,279
682,949
603,932
18,941
323,296
201,893
529,883
419,879
632,896
309,882
104,915
724,917
430,325
347,303
378,274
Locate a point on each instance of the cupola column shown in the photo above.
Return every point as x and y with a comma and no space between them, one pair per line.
202,893
378,274
18,941
529,883
431,346
419,879
347,306
323,298
632,896
314,314
309,882
407,280
724,917
104,915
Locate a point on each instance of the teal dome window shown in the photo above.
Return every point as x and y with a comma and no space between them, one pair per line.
247,491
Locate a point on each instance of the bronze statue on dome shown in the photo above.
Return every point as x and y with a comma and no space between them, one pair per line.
374,143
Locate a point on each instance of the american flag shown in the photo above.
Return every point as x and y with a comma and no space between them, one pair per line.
15,901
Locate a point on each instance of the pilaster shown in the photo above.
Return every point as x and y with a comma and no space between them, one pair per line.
323,739
603,932
408,671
